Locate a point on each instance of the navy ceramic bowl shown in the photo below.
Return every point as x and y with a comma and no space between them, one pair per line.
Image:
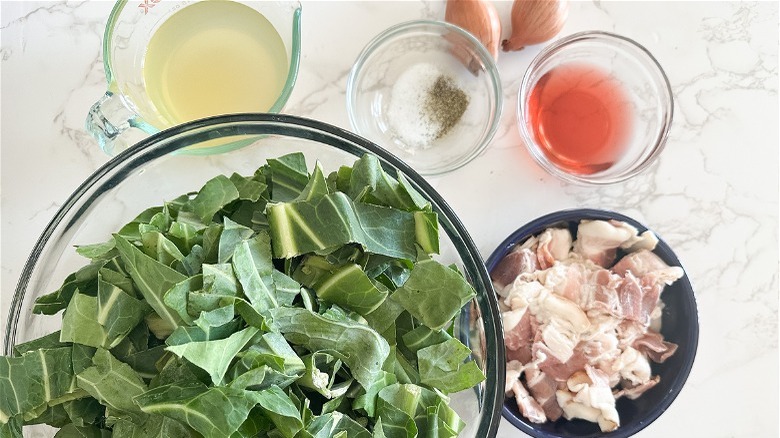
680,325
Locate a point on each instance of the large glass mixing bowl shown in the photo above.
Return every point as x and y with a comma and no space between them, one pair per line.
152,172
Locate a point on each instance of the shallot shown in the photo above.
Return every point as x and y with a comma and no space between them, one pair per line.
478,17
534,22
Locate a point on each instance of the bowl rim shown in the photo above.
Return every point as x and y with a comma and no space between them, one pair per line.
156,146
492,71
568,215
638,51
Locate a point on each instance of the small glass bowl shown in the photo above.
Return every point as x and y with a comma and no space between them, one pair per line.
645,88
385,65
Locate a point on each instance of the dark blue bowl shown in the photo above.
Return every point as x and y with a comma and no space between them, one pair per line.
680,324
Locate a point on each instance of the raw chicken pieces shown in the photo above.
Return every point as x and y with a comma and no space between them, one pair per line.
580,326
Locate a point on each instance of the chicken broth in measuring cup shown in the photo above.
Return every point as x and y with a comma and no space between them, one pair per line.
214,57
174,61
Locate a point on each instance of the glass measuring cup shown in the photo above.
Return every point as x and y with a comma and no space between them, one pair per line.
126,113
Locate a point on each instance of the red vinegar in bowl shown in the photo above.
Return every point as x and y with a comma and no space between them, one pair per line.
594,108
581,117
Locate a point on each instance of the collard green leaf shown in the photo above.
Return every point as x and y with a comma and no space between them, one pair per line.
395,423
339,179
442,367
270,361
214,412
250,214
84,280
434,293
334,220
130,230
289,176
101,321
211,325
157,246
320,375
385,316
387,231
155,426
336,424
316,187
52,340
84,411
152,278
179,371
273,349
192,264
81,357
286,288
202,301
449,423
12,427
117,312
422,337
232,235
176,297
33,380
211,237
250,315
303,227
219,279
249,189
405,397
253,267
54,416
213,197
184,235
370,183
360,347
349,287
119,279
418,200
186,334
426,229
280,409
72,431
215,356
405,370
113,383
255,425
366,401
97,251
79,323
260,378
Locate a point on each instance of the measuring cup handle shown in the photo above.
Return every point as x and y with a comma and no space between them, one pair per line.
114,125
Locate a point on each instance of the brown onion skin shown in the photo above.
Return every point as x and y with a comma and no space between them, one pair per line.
480,18
534,22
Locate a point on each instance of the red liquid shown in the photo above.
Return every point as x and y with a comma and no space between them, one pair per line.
581,117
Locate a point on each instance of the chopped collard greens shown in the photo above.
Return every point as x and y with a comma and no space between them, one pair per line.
284,304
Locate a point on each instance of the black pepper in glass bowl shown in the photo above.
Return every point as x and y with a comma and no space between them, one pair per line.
427,91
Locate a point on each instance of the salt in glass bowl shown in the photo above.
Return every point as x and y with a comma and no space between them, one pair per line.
376,90
679,324
644,84
153,171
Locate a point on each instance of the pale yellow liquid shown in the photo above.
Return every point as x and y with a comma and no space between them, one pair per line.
214,57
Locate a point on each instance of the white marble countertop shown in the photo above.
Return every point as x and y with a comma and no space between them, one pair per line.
713,195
